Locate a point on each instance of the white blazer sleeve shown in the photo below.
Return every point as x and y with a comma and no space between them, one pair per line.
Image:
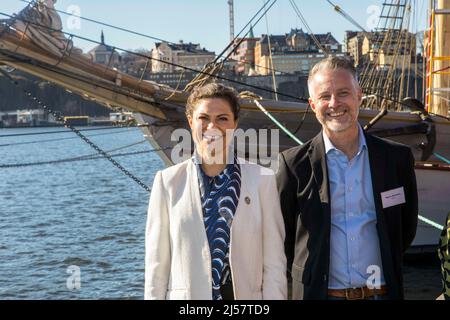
157,243
274,272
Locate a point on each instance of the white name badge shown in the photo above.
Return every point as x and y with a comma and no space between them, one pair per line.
393,197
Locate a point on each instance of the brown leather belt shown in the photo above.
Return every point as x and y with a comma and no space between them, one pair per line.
357,293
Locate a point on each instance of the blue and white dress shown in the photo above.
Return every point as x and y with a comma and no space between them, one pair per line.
219,197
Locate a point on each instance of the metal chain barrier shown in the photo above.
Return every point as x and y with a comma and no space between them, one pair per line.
82,158
78,133
58,139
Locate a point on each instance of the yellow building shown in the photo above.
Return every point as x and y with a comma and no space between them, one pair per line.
293,52
354,46
189,55
383,48
244,55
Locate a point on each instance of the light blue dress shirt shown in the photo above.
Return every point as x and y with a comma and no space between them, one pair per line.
355,259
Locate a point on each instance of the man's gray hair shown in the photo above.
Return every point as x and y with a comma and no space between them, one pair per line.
333,63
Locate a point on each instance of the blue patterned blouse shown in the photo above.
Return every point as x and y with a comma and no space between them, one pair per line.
219,196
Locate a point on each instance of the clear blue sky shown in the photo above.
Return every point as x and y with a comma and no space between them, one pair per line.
206,21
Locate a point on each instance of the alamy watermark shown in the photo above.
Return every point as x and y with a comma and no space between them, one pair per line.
374,280
74,21
373,20
260,146
73,282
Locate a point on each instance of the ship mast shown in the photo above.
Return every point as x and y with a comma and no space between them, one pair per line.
390,48
438,58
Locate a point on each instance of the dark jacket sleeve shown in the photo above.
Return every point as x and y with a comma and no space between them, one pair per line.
286,183
410,212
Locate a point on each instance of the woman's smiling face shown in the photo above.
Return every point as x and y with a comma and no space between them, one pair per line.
212,124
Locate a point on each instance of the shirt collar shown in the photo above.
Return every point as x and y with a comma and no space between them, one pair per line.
196,158
329,146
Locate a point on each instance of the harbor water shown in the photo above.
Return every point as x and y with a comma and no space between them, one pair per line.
75,230
85,216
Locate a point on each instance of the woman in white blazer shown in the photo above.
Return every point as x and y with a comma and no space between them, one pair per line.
214,227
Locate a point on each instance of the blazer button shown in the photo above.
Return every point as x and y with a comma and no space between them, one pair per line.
247,200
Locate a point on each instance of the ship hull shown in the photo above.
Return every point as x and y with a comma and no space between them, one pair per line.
433,177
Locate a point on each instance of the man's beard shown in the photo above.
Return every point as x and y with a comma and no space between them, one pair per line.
336,126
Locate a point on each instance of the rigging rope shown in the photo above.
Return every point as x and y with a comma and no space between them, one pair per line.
59,139
122,28
109,157
299,142
86,158
213,68
347,16
56,132
290,134
303,99
78,133
440,157
305,23
233,42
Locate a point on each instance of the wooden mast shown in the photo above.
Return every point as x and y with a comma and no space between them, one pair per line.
442,79
438,84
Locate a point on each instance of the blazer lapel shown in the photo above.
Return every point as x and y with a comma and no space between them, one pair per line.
316,153
194,191
378,166
240,210
196,209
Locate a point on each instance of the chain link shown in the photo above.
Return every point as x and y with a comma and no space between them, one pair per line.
59,117
58,139
82,158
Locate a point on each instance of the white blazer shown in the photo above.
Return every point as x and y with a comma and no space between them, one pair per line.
178,259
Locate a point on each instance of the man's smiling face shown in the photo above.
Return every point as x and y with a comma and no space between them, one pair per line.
335,97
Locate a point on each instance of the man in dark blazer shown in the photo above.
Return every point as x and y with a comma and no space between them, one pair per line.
349,199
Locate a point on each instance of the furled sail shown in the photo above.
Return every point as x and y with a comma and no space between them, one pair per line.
43,26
